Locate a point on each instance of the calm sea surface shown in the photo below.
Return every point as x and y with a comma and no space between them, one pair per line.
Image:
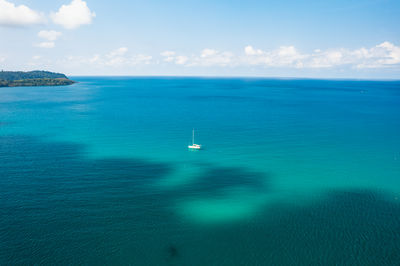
293,172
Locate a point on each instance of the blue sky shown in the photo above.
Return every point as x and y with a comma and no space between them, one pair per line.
317,39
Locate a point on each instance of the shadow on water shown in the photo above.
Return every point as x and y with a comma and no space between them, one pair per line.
59,207
344,228
56,202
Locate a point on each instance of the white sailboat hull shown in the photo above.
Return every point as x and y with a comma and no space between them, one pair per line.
194,146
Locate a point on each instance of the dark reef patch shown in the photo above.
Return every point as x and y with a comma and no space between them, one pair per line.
59,207
172,251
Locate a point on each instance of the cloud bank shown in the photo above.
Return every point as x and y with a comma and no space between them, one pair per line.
384,55
12,15
116,58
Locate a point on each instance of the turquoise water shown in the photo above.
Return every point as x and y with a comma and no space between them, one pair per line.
292,172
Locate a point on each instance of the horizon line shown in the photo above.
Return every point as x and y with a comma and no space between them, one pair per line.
239,77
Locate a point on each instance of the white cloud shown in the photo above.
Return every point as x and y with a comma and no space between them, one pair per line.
116,58
326,59
249,50
12,15
126,60
94,59
207,57
168,53
211,57
288,55
169,59
181,59
50,35
118,52
208,52
284,56
169,56
38,61
2,58
47,45
72,16
140,59
385,54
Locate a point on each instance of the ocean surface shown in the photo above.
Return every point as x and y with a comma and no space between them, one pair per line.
292,172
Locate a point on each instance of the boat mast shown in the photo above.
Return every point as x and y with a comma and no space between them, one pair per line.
193,137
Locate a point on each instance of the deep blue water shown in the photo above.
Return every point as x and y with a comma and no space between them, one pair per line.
293,172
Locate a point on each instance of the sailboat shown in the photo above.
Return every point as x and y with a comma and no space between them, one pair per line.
194,146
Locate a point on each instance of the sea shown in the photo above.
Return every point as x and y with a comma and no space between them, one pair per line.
291,172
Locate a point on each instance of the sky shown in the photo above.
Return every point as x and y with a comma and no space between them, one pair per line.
357,39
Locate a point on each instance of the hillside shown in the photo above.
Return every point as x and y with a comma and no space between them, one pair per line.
32,78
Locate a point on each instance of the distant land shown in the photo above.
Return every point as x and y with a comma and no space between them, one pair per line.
33,78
